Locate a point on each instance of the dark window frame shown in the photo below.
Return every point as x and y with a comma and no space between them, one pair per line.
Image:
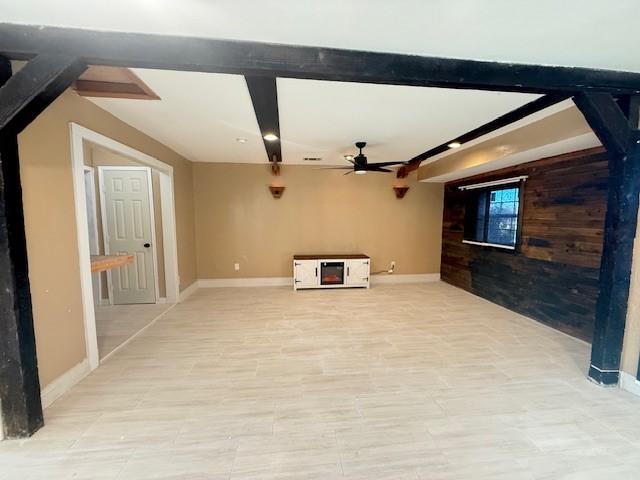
470,237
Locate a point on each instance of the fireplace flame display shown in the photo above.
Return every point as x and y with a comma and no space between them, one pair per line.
332,273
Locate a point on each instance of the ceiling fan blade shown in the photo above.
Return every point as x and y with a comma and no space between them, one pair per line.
334,168
386,164
349,172
377,169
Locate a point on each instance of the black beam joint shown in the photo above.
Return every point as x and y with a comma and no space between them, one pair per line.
33,88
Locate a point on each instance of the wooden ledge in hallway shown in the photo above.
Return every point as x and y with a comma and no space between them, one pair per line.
102,263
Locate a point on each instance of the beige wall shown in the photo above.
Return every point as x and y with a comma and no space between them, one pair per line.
321,211
50,223
631,346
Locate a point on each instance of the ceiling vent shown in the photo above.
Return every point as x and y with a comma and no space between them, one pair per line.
312,159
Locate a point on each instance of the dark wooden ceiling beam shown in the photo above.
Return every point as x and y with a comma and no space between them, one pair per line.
28,92
264,96
630,106
500,122
607,120
275,60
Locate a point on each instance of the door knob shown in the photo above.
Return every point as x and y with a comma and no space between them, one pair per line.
146,245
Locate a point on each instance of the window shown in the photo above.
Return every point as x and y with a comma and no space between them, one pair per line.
491,215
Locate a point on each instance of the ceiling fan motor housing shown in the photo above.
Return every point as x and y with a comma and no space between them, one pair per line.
360,165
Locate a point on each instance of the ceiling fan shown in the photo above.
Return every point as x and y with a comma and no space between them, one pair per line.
360,165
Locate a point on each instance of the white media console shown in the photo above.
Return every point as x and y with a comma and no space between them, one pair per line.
331,271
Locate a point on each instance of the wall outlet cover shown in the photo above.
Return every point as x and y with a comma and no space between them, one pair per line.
236,267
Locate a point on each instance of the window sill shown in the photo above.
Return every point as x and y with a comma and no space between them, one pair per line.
483,244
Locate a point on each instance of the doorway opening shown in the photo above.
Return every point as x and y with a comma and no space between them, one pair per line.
124,207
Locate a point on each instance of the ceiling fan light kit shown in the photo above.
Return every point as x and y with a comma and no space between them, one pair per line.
360,166
400,191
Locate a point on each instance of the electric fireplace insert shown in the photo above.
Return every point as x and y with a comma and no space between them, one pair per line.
331,273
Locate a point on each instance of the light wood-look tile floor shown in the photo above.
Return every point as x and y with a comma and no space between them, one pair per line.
420,382
115,324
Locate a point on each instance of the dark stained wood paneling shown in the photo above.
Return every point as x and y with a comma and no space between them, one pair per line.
553,275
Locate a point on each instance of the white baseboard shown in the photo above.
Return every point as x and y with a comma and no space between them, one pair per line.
408,278
187,292
288,281
64,382
161,300
135,335
629,383
245,282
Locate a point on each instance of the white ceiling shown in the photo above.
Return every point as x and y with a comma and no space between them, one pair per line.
591,33
201,115
325,119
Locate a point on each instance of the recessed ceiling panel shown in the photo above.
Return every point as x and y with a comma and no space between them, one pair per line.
324,119
200,115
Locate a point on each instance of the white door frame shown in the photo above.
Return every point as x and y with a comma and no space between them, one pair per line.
95,247
105,227
78,134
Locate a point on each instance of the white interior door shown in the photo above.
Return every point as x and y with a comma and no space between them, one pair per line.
305,273
127,217
357,272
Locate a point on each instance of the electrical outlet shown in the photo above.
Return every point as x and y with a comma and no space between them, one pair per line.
236,267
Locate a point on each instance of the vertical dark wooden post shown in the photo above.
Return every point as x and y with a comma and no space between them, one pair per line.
615,124
615,268
19,382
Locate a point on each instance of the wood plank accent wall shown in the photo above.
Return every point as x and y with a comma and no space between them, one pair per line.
553,274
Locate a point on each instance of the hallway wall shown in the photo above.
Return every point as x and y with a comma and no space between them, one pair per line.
45,162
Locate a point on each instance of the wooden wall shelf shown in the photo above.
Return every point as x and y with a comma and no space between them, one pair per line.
400,191
102,263
276,191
